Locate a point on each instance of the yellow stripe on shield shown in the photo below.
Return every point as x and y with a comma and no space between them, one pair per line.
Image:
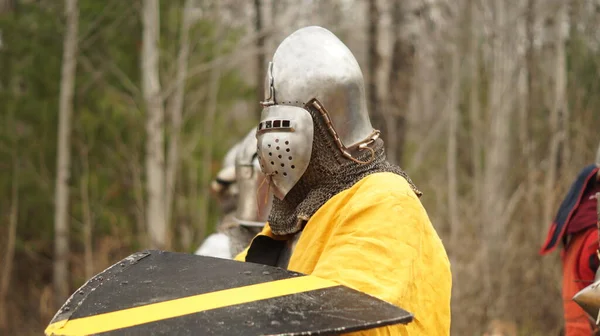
179,307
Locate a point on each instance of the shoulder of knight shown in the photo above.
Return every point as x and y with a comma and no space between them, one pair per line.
385,185
584,178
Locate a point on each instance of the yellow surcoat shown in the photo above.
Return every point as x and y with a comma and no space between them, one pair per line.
376,237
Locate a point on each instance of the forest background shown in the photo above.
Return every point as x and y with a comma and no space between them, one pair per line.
115,115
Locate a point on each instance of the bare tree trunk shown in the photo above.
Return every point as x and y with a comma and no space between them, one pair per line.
374,61
400,78
557,128
155,160
176,110
529,113
452,154
9,253
495,193
273,22
260,56
474,102
88,222
560,84
63,163
7,6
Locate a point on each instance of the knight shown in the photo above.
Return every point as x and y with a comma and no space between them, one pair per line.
244,199
575,230
342,212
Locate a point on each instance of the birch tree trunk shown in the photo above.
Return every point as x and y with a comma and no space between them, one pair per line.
176,109
155,160
63,164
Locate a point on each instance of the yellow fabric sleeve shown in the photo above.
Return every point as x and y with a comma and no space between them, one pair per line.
385,245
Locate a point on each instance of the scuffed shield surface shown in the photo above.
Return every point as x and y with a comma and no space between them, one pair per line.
163,293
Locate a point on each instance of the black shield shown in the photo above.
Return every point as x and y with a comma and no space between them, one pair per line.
158,293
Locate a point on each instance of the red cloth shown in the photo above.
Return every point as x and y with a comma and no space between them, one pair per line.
585,215
577,274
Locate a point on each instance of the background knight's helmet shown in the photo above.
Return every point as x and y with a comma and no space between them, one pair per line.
254,198
224,186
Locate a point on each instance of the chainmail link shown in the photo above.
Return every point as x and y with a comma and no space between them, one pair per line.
328,174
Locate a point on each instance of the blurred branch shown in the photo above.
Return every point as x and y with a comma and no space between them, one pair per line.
243,50
91,39
425,144
96,23
9,253
211,111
